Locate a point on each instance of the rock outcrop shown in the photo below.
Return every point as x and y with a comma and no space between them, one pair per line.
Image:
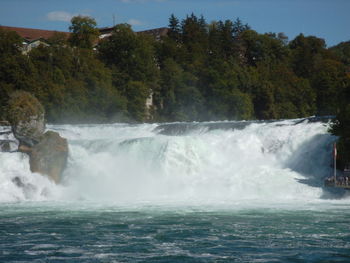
49,156
4,123
8,146
7,142
48,152
4,146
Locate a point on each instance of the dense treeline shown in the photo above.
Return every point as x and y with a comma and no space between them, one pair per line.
71,83
199,71
341,125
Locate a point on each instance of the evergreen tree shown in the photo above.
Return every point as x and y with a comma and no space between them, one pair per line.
239,28
174,29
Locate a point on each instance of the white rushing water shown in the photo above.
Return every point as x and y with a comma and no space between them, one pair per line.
219,162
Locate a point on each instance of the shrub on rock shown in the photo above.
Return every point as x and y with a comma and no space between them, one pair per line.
48,152
27,117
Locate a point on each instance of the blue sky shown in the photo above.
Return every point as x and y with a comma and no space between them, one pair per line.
328,19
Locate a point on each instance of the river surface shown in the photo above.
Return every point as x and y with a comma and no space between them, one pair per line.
179,192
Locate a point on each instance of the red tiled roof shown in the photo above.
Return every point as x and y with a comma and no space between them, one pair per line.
162,31
156,32
104,30
31,33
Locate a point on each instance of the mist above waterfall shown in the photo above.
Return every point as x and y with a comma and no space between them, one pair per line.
215,162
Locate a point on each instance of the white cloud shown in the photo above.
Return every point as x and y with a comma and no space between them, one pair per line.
135,22
59,16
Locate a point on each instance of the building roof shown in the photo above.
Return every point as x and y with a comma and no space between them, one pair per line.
156,32
104,30
32,34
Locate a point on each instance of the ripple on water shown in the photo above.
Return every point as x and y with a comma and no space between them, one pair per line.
184,235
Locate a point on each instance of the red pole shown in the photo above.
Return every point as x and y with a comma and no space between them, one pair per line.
335,163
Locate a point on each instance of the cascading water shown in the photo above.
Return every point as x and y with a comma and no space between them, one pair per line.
215,162
179,192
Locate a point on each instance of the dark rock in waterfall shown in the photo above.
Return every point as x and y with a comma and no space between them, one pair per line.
4,146
5,132
8,146
49,156
47,152
4,123
27,188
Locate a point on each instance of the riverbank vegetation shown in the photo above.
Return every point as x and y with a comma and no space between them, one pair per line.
223,70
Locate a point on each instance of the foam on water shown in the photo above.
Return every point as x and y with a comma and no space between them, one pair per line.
208,163
17,183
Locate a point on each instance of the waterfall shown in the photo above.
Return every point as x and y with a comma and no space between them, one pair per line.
211,162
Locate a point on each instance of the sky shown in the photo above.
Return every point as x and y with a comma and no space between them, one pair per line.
327,19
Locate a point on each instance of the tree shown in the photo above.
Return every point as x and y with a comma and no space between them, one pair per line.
74,86
137,93
171,74
195,39
239,28
132,55
329,81
224,70
84,31
342,51
305,52
10,43
16,70
174,28
131,58
263,48
222,44
264,101
180,99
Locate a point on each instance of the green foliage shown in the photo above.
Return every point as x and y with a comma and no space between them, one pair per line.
342,51
10,43
16,70
199,71
131,54
131,58
84,31
263,48
326,73
305,53
174,29
137,93
240,105
21,106
75,86
330,80
341,126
